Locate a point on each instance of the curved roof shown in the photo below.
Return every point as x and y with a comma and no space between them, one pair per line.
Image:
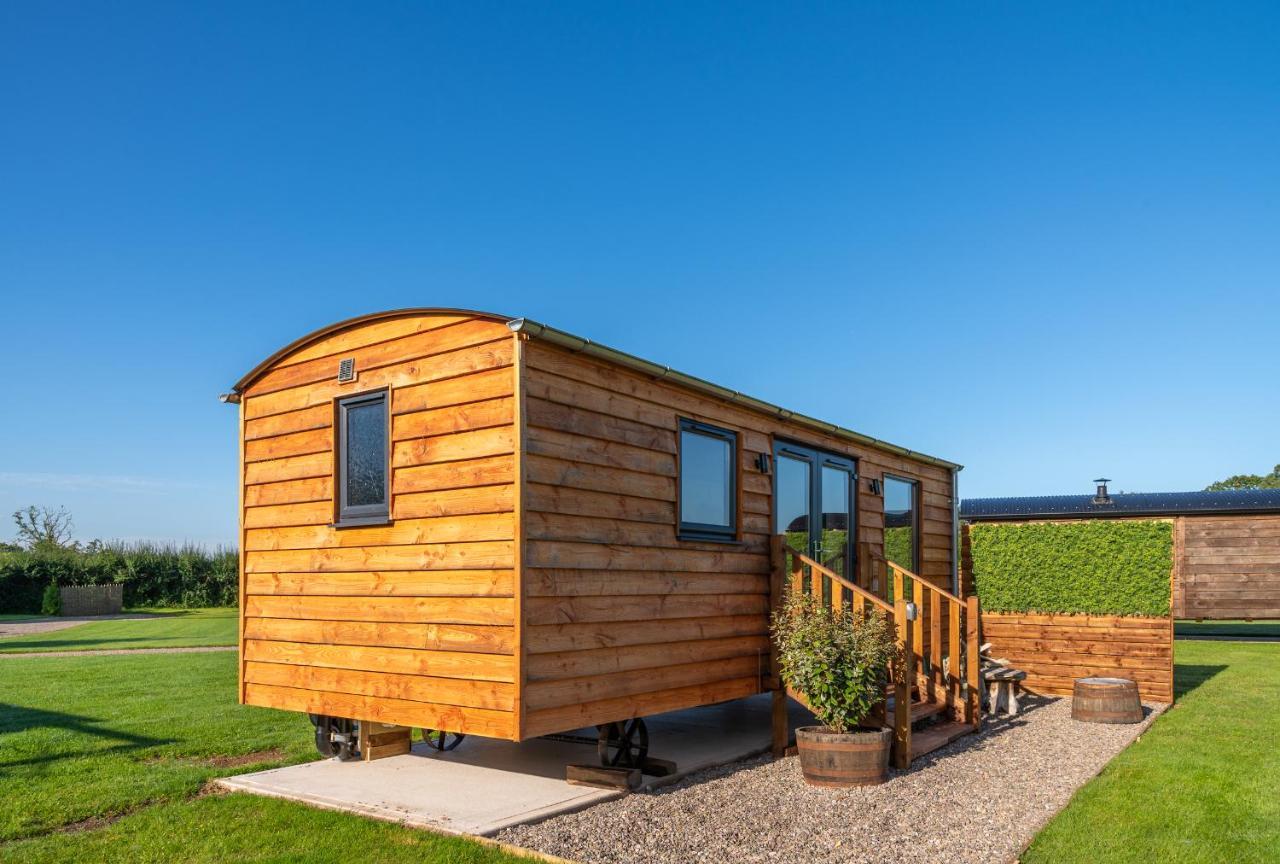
1122,504
577,344
316,335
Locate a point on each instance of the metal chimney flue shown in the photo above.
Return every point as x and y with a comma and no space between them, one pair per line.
1102,497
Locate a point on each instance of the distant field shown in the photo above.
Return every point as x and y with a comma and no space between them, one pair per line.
1226,628
169,628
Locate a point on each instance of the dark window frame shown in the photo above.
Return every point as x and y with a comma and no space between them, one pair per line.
917,516
702,531
345,516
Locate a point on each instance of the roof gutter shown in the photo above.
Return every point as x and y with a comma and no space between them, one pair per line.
579,345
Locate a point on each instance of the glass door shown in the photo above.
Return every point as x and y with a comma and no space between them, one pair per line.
815,496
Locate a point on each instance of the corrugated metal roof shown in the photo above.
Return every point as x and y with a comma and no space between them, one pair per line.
1122,504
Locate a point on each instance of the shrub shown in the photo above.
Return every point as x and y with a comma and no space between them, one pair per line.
839,661
1096,567
51,603
153,574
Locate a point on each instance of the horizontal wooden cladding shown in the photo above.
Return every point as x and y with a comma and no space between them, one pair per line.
290,492
456,335
584,637
588,529
612,388
362,334
571,691
286,515
586,583
606,427
293,444
442,529
454,418
1056,649
490,471
437,664
395,583
455,502
402,712
452,448
454,364
430,637
597,478
311,466
384,685
497,554
601,556
603,661
580,715
436,610
608,505
592,451
641,607
474,387
316,417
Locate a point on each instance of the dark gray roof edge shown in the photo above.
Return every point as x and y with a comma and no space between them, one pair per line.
1232,501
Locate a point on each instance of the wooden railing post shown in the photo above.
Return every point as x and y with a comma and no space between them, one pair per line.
906,677
936,605
972,671
781,732
954,674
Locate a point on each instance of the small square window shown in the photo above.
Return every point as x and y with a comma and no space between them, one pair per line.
708,482
363,490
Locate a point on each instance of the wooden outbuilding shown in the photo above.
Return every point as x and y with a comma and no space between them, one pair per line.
1226,544
461,521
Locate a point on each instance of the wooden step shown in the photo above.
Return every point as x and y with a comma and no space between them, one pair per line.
937,735
919,710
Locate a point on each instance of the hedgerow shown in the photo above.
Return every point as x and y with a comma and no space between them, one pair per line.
152,574
1095,567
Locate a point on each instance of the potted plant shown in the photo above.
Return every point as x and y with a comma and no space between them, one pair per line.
839,661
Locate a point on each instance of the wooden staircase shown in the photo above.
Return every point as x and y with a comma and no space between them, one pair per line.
939,700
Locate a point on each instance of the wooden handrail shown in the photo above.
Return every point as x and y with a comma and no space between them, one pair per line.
840,580
925,582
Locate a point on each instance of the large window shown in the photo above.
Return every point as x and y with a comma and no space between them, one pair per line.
362,487
708,482
901,522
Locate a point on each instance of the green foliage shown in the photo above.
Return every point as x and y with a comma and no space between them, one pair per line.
1097,567
838,660
153,574
897,546
51,602
1248,481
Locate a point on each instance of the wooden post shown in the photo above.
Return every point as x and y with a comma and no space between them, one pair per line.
781,733
955,676
906,677
973,704
936,604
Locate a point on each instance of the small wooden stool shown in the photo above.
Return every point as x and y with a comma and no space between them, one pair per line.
1005,684
1106,700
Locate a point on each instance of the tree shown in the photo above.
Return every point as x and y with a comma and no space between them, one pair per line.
1248,481
43,528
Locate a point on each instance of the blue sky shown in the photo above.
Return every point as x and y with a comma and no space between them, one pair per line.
1040,240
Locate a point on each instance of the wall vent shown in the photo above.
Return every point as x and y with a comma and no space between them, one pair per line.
347,370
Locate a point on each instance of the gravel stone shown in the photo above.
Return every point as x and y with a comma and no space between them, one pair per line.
979,799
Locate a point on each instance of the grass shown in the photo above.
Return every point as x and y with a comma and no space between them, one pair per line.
105,759
185,628
1185,629
1200,785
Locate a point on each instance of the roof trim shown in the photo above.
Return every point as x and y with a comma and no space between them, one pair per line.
577,344
316,335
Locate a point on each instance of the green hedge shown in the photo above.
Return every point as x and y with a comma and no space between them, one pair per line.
153,574
1096,567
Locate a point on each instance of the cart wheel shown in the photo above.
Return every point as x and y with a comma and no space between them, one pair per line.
325,745
623,745
439,740
348,740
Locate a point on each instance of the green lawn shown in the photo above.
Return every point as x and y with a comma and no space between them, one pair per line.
1202,785
84,740
1186,629
184,628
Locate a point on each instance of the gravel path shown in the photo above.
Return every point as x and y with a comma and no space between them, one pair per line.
203,650
980,799
48,625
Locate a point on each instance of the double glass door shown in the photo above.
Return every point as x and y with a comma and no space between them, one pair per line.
815,496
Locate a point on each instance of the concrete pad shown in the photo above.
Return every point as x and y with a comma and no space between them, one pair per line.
485,785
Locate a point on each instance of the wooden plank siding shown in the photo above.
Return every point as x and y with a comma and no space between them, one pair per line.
1054,650
413,622
622,618
1227,567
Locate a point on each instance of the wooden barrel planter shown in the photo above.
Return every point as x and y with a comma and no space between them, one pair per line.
839,759
1106,700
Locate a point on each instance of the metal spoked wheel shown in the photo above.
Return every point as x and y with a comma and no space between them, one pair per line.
336,736
440,740
623,745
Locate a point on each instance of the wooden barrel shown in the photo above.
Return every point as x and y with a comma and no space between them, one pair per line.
838,759
1106,700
